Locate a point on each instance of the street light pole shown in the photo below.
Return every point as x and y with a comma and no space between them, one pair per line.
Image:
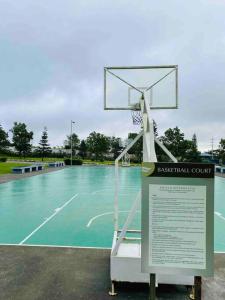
71,141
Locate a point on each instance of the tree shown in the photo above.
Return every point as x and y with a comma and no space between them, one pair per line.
155,128
115,146
75,142
136,149
182,149
194,140
221,150
97,144
83,149
44,149
22,138
173,139
192,154
4,142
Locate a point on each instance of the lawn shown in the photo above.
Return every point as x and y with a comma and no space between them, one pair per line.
6,167
106,162
34,159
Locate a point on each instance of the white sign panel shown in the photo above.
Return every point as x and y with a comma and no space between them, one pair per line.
177,218
177,229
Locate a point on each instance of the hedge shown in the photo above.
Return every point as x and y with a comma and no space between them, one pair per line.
74,162
3,159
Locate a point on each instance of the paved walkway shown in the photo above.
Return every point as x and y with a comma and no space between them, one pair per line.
9,177
49,273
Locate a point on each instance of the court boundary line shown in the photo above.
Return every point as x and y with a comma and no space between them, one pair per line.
55,246
219,215
104,214
57,210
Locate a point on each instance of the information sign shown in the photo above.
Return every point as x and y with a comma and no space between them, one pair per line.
177,218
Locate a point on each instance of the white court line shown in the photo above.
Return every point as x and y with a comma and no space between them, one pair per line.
218,214
95,192
57,210
104,214
56,246
111,190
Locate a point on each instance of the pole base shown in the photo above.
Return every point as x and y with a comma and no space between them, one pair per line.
192,294
112,292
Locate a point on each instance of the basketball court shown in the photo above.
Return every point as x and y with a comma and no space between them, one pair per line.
74,207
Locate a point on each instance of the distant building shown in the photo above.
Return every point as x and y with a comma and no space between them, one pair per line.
61,150
207,158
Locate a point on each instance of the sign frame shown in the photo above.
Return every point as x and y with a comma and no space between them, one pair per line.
178,174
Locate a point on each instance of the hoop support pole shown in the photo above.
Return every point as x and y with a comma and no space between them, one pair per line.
116,196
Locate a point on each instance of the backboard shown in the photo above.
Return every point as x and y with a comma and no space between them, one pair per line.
124,86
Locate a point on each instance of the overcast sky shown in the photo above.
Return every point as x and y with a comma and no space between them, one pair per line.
52,55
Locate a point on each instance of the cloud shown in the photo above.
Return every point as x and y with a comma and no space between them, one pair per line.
52,57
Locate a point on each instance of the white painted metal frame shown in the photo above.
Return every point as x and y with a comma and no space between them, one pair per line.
125,257
110,71
149,155
116,204
126,160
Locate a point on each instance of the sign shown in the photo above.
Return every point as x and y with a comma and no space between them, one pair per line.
177,218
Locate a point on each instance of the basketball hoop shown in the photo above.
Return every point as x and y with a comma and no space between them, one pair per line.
136,114
136,117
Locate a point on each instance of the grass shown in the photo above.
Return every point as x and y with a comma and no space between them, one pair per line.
106,162
34,159
94,162
6,167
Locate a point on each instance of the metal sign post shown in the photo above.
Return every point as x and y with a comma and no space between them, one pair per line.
152,292
198,288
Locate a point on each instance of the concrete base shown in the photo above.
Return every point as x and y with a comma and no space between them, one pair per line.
49,273
126,267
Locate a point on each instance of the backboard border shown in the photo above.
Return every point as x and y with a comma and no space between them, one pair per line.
175,67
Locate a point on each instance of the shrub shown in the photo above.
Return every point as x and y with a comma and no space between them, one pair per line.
78,161
3,159
135,161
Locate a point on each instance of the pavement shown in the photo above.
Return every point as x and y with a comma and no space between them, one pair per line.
9,177
41,273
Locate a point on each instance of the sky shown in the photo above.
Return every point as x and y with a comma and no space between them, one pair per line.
52,56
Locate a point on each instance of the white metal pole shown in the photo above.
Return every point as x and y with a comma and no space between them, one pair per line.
71,155
116,196
212,140
148,127
166,150
127,223
71,142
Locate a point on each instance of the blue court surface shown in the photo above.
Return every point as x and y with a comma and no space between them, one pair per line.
74,207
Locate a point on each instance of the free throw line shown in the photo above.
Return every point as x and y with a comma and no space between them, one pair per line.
47,220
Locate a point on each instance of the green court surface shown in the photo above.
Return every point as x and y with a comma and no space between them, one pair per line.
74,207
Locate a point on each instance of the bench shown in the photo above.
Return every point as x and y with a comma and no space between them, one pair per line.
220,169
22,170
56,164
27,169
